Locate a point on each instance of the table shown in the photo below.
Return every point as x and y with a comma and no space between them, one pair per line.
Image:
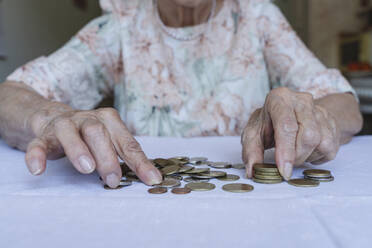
65,209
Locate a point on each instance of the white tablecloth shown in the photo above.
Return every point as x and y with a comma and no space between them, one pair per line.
65,209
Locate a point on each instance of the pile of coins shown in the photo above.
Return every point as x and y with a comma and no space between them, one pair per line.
196,173
318,175
266,173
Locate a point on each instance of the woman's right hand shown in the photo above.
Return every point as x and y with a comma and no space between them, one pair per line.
92,140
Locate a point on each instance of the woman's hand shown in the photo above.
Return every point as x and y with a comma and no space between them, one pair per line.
300,130
91,140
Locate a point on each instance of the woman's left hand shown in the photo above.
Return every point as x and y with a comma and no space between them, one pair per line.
300,131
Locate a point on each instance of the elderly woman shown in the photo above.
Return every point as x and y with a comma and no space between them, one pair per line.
178,68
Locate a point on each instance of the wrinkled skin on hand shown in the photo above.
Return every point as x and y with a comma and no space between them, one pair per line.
92,140
300,131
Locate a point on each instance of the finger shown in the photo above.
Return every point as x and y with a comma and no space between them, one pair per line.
74,147
100,145
36,156
285,132
308,135
253,148
129,149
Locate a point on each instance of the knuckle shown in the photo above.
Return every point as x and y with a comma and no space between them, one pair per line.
62,122
329,149
108,112
93,129
132,146
307,97
289,127
311,137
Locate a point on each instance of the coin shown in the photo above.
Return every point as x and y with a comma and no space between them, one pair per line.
270,177
210,174
181,158
238,187
267,181
197,160
125,183
108,187
198,170
238,166
169,170
192,179
229,177
201,186
185,168
300,182
317,173
321,179
176,177
169,183
181,191
266,167
133,179
157,190
266,173
220,165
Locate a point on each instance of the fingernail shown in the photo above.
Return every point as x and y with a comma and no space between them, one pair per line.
287,171
35,168
154,177
112,180
85,164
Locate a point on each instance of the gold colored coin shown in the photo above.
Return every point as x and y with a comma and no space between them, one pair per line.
198,170
169,183
268,177
267,173
108,187
200,186
300,182
169,170
238,187
317,173
181,191
266,181
266,167
229,177
238,166
210,174
158,190
321,179
185,168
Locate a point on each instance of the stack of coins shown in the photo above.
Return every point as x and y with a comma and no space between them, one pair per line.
318,175
266,173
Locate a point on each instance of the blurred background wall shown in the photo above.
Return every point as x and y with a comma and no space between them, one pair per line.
337,31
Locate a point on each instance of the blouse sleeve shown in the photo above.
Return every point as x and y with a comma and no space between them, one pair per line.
83,71
289,61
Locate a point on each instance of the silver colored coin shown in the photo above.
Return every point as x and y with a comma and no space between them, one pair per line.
197,160
185,168
321,179
195,180
220,165
238,166
198,170
125,183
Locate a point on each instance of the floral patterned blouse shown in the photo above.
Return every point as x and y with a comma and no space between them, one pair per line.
166,87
